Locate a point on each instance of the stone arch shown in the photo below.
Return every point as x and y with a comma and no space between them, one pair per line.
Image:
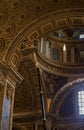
45,19
62,94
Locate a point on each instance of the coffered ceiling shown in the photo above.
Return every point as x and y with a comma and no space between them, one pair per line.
21,18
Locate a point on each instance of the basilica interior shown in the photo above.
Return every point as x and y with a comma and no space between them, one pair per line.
41,64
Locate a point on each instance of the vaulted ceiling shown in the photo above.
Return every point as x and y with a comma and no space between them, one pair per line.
22,23
29,19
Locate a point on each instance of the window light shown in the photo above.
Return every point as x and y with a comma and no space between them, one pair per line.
81,36
81,102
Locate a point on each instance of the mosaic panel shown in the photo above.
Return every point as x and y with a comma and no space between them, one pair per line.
53,83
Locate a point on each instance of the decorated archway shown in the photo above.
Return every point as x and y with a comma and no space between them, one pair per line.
62,94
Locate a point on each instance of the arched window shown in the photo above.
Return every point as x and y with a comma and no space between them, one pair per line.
81,102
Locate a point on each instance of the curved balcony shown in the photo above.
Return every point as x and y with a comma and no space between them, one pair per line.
61,57
62,53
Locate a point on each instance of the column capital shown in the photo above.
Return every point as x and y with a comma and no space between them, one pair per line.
9,74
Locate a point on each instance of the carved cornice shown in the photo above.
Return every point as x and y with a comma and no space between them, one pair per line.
14,75
8,74
63,41
55,68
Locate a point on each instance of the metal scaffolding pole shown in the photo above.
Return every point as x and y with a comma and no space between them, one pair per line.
42,101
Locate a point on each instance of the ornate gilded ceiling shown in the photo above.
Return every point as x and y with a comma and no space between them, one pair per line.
20,19
22,23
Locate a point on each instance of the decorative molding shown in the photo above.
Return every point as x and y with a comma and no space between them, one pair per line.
55,68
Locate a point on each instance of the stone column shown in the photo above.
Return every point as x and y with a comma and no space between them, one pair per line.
64,54
8,79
